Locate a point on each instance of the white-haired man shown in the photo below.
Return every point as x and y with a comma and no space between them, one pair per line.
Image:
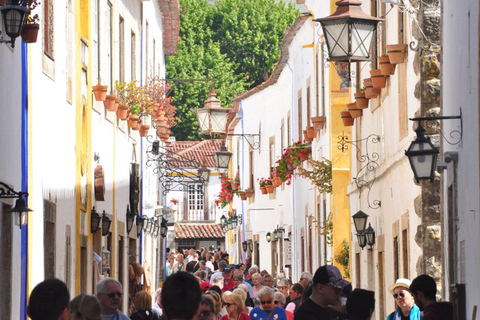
109,293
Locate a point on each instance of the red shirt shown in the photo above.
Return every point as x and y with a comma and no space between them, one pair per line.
229,285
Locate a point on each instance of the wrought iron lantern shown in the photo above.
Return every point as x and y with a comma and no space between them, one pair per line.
370,235
360,221
222,158
275,235
22,210
140,223
130,220
94,220
422,155
163,228
13,17
250,245
362,240
204,173
244,246
349,32
106,222
269,237
223,222
212,118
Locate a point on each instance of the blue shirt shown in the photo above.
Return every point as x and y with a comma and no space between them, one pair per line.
259,314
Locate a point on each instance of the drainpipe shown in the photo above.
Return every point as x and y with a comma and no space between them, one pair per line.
243,180
294,249
140,256
24,146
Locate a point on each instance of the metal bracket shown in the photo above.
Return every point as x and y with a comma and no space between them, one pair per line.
433,124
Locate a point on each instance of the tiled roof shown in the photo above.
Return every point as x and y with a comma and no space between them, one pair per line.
198,231
200,151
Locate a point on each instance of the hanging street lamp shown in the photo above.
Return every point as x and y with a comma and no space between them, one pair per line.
94,220
130,219
13,16
244,246
212,118
370,235
360,221
163,228
140,223
106,222
222,158
422,155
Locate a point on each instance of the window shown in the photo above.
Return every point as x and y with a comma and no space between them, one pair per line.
299,106
48,27
109,45
271,149
405,252
195,196
49,237
121,49
308,104
133,63
396,273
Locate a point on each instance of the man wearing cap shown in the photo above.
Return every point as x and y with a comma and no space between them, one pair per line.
227,278
327,286
406,308
424,290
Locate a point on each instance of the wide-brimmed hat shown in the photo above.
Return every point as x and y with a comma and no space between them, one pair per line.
401,282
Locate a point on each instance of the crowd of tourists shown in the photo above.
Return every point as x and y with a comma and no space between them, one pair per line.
238,292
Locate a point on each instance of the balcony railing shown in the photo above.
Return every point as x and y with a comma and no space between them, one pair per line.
196,216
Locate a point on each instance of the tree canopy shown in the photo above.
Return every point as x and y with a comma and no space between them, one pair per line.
235,42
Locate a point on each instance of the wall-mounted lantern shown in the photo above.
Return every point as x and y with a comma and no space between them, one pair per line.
130,217
94,220
269,237
106,222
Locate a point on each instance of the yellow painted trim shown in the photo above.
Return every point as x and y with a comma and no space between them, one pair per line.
311,45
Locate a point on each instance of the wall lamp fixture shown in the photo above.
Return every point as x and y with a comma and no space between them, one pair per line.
14,16
20,205
364,235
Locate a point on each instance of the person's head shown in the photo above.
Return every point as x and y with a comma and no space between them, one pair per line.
233,303
109,293
327,285
360,304
202,264
305,278
180,258
158,296
191,251
237,279
256,279
225,256
217,281
283,286
253,269
181,296
263,272
49,300
296,290
400,291
227,273
142,301
190,266
222,264
268,280
216,298
267,298
280,299
424,290
241,293
207,308
85,307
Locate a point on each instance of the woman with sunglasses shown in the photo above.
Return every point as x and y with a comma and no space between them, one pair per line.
406,308
207,308
267,309
143,307
235,305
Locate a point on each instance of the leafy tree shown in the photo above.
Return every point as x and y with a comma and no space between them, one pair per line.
236,42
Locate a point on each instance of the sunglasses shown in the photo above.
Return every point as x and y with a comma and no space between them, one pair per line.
205,313
337,289
266,302
282,287
276,302
401,294
113,294
228,304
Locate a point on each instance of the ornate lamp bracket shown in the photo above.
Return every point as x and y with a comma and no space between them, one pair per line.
433,123
368,160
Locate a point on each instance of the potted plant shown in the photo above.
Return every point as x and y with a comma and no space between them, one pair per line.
397,53
360,99
123,112
320,174
311,132
354,112
263,186
99,91
242,195
370,91
30,29
269,185
347,118
157,91
386,67
226,192
110,102
378,80
318,122
249,192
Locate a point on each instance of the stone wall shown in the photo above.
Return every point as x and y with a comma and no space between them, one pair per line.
428,205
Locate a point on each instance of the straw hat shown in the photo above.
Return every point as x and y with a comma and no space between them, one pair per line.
401,282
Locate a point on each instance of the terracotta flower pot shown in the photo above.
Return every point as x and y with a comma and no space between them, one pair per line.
386,67
144,130
228,199
243,195
99,92
355,113
370,91
263,190
306,137
318,122
397,53
133,120
311,132
30,32
361,100
249,192
352,105
378,80
270,188
235,185
122,112
109,102
347,118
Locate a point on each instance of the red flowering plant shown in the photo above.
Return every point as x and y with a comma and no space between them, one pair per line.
226,193
263,182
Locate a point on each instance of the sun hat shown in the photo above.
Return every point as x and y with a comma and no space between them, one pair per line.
401,282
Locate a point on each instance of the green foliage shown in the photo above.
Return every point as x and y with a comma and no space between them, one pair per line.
320,174
343,258
236,42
